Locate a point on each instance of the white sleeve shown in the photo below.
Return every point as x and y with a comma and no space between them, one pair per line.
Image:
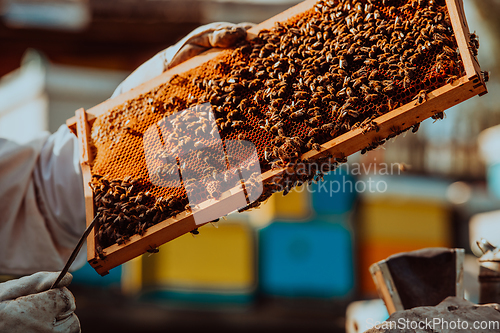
41,203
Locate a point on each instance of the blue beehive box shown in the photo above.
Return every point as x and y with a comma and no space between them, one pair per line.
310,259
336,194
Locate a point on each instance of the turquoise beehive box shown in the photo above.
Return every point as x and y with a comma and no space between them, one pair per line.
336,194
310,259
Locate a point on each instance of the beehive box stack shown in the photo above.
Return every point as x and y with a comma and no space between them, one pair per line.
308,88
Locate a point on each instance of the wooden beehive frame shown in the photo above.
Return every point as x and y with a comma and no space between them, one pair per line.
403,117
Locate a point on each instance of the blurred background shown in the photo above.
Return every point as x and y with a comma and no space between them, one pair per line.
301,260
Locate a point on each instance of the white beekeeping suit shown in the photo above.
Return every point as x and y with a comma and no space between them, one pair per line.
42,212
42,207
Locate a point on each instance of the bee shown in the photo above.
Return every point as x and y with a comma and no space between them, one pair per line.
234,114
276,164
100,252
485,75
243,104
352,113
252,110
310,143
198,144
473,48
373,74
358,81
341,92
349,92
268,154
420,97
316,146
371,62
252,85
438,17
370,125
297,141
391,105
352,99
237,124
153,249
439,116
442,56
276,127
449,51
343,62
326,99
388,88
261,74
415,128
313,132
315,120
281,92
297,114
371,97
271,82
451,78
473,38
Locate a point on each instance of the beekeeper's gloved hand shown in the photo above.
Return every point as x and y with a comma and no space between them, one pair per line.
28,306
220,35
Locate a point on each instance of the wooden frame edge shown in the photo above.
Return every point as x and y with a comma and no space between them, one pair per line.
462,35
83,134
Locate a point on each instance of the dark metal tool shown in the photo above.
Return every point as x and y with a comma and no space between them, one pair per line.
75,252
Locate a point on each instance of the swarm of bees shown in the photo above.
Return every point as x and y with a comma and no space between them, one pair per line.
336,68
294,87
123,209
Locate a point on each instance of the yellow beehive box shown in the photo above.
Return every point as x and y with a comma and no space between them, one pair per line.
220,258
131,282
412,214
295,206
393,219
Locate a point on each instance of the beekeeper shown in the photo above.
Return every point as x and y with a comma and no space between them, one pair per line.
42,213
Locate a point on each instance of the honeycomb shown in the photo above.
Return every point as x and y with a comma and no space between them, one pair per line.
310,79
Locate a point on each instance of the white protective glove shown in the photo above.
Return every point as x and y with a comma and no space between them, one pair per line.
28,306
218,35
